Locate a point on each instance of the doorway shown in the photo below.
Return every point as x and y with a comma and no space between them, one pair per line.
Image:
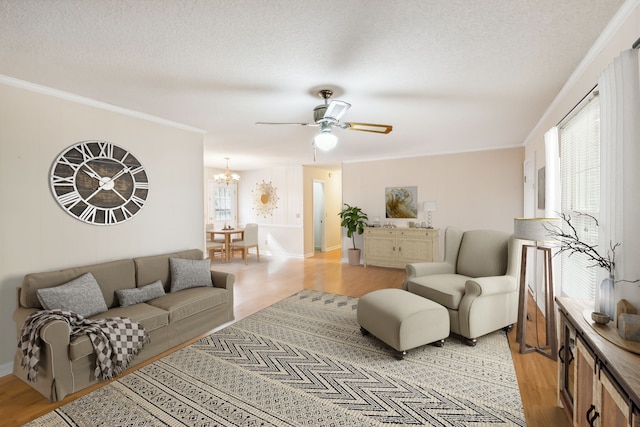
318,217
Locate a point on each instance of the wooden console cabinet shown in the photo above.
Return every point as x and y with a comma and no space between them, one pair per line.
598,382
397,247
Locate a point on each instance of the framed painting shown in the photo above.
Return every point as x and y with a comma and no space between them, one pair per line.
401,202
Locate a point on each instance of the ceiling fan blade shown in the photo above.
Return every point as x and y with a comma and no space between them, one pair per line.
280,123
336,109
369,127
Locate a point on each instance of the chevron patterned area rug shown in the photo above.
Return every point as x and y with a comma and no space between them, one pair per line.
304,362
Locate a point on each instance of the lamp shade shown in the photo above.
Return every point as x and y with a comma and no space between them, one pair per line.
534,229
429,206
326,140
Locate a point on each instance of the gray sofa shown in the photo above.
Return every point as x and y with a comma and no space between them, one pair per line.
68,366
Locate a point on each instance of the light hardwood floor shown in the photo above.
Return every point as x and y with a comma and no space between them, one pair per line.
259,285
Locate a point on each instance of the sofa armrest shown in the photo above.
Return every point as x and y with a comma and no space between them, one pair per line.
419,269
492,285
55,373
223,280
56,338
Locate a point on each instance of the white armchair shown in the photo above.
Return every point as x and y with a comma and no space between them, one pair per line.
477,282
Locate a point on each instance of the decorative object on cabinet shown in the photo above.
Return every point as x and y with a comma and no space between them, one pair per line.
265,198
397,247
597,380
570,242
429,207
609,331
99,183
629,327
226,177
353,219
401,202
623,307
600,318
535,230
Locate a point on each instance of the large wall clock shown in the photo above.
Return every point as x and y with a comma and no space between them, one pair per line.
99,183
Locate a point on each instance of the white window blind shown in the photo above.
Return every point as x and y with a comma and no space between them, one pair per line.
580,192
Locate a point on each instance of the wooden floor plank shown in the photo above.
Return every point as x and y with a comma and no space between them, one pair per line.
259,285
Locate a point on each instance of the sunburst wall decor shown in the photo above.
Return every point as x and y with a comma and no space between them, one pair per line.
265,198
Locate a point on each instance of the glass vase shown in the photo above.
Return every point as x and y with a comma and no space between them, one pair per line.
607,297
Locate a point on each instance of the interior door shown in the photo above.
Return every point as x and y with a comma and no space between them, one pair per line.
318,216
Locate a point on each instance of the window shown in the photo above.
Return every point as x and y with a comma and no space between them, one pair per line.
221,204
580,192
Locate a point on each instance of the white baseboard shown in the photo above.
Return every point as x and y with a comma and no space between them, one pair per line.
6,369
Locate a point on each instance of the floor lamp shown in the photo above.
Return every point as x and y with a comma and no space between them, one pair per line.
536,230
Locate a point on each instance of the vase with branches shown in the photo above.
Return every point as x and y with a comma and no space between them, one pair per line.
571,243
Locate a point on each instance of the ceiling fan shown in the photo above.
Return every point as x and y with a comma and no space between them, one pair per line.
327,116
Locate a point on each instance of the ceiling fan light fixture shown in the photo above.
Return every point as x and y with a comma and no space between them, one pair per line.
325,140
335,110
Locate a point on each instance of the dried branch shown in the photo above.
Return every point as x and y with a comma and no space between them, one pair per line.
571,243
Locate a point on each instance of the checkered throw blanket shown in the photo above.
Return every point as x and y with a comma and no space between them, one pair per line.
116,340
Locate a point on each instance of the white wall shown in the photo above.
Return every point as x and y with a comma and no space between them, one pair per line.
282,232
477,190
37,235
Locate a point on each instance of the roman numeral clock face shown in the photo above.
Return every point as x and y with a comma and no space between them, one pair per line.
99,183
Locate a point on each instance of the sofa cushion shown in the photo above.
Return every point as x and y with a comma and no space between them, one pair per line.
190,301
156,267
151,318
133,296
445,289
189,273
81,295
483,253
110,275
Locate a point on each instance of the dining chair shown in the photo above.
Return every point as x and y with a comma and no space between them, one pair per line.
250,240
210,227
216,248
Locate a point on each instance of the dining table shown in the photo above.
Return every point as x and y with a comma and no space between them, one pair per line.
227,233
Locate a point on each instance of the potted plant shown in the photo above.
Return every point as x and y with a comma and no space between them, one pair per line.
353,219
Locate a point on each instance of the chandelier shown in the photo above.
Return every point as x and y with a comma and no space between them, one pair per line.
226,177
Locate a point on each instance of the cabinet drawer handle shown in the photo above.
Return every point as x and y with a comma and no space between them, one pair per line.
592,419
560,354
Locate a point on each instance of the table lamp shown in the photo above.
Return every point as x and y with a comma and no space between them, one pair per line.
429,208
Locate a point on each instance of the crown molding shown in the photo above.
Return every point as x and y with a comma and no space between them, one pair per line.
10,81
625,11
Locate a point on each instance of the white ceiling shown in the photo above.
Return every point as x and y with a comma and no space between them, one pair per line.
449,75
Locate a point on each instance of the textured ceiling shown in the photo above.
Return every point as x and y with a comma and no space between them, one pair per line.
449,75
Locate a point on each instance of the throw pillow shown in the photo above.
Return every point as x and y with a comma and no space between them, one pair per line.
81,295
189,273
145,293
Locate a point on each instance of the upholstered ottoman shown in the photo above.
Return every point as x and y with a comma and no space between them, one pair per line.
402,320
